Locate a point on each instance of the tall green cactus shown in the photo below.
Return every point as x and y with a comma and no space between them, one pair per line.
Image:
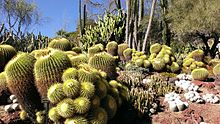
20,80
49,69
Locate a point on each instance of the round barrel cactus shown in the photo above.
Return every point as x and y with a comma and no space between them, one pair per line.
20,80
112,48
200,74
61,44
121,48
49,69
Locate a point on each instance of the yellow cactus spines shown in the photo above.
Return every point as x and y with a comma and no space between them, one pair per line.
200,74
216,70
127,54
70,73
139,62
71,88
158,64
174,67
147,64
79,59
105,62
87,89
112,48
81,105
66,108
76,120
55,93
155,48
54,115
20,81
60,43
93,50
49,70
121,48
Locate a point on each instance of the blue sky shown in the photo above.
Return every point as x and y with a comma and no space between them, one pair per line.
57,14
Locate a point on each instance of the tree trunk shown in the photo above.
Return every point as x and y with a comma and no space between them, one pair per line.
135,14
80,18
149,25
128,2
141,11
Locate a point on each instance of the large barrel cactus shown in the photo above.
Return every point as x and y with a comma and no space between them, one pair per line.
2,61
49,69
112,48
61,44
105,62
121,48
20,80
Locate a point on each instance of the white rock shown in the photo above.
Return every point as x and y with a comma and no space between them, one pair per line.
181,106
15,106
8,108
186,104
173,107
15,101
12,97
152,111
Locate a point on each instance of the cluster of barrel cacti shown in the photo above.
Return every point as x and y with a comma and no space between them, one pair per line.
111,27
85,96
160,59
194,60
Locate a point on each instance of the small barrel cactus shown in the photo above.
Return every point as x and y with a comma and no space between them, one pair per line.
200,74
121,48
112,48
128,54
61,44
155,48
216,70
158,64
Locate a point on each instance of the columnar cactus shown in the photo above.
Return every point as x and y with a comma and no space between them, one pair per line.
20,80
49,69
61,44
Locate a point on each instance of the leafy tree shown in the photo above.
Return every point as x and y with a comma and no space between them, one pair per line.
19,15
198,18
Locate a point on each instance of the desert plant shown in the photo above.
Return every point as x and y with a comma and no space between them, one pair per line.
20,80
155,48
112,48
60,43
200,74
121,48
49,69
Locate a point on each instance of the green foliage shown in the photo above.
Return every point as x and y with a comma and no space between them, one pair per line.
20,80
105,62
111,27
49,70
200,74
194,15
61,44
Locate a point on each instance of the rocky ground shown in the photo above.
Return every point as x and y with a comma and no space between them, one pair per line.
195,114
